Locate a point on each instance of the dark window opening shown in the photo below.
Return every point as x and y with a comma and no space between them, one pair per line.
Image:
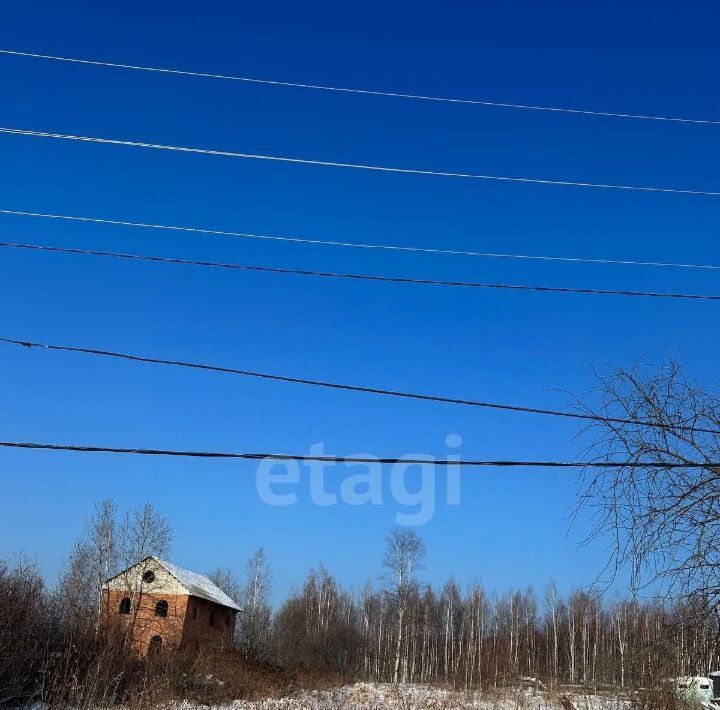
194,613
148,576
227,618
161,608
155,646
124,605
211,619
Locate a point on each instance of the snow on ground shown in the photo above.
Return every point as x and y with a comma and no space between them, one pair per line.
376,696
600,702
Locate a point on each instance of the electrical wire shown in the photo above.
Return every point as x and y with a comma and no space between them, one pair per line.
366,92
354,459
353,166
359,277
355,245
353,388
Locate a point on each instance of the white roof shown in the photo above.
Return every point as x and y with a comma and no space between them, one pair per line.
198,585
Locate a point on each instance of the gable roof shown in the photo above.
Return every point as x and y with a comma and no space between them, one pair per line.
195,584
198,585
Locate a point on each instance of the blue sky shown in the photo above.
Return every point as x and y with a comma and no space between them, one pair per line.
511,528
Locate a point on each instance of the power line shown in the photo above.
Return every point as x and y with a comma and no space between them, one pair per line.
355,245
353,388
358,277
353,166
353,459
366,92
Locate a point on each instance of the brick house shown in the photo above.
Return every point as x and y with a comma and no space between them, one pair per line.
164,606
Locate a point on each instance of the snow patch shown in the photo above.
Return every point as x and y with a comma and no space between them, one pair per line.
374,696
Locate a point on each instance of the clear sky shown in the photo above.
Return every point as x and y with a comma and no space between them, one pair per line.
511,528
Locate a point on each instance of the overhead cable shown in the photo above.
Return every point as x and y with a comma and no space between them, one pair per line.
352,166
358,277
366,92
358,388
354,459
355,245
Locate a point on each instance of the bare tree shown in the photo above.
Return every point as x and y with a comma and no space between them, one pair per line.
664,522
226,580
404,556
551,604
255,618
94,559
144,531
106,545
25,630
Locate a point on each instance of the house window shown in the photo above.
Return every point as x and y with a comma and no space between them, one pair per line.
161,608
227,618
124,605
194,613
155,646
148,577
211,618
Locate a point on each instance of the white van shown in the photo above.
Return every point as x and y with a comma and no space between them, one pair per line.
695,687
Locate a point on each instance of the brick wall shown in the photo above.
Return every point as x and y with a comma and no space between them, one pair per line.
187,624
199,633
142,622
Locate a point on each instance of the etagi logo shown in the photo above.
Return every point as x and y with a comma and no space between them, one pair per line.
413,482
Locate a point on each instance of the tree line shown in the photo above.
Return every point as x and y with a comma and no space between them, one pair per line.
404,631
397,629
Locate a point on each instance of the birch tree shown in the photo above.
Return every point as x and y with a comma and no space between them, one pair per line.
404,556
255,618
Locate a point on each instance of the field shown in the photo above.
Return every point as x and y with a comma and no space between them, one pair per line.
374,696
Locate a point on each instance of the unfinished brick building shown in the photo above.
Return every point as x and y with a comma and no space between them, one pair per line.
161,606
